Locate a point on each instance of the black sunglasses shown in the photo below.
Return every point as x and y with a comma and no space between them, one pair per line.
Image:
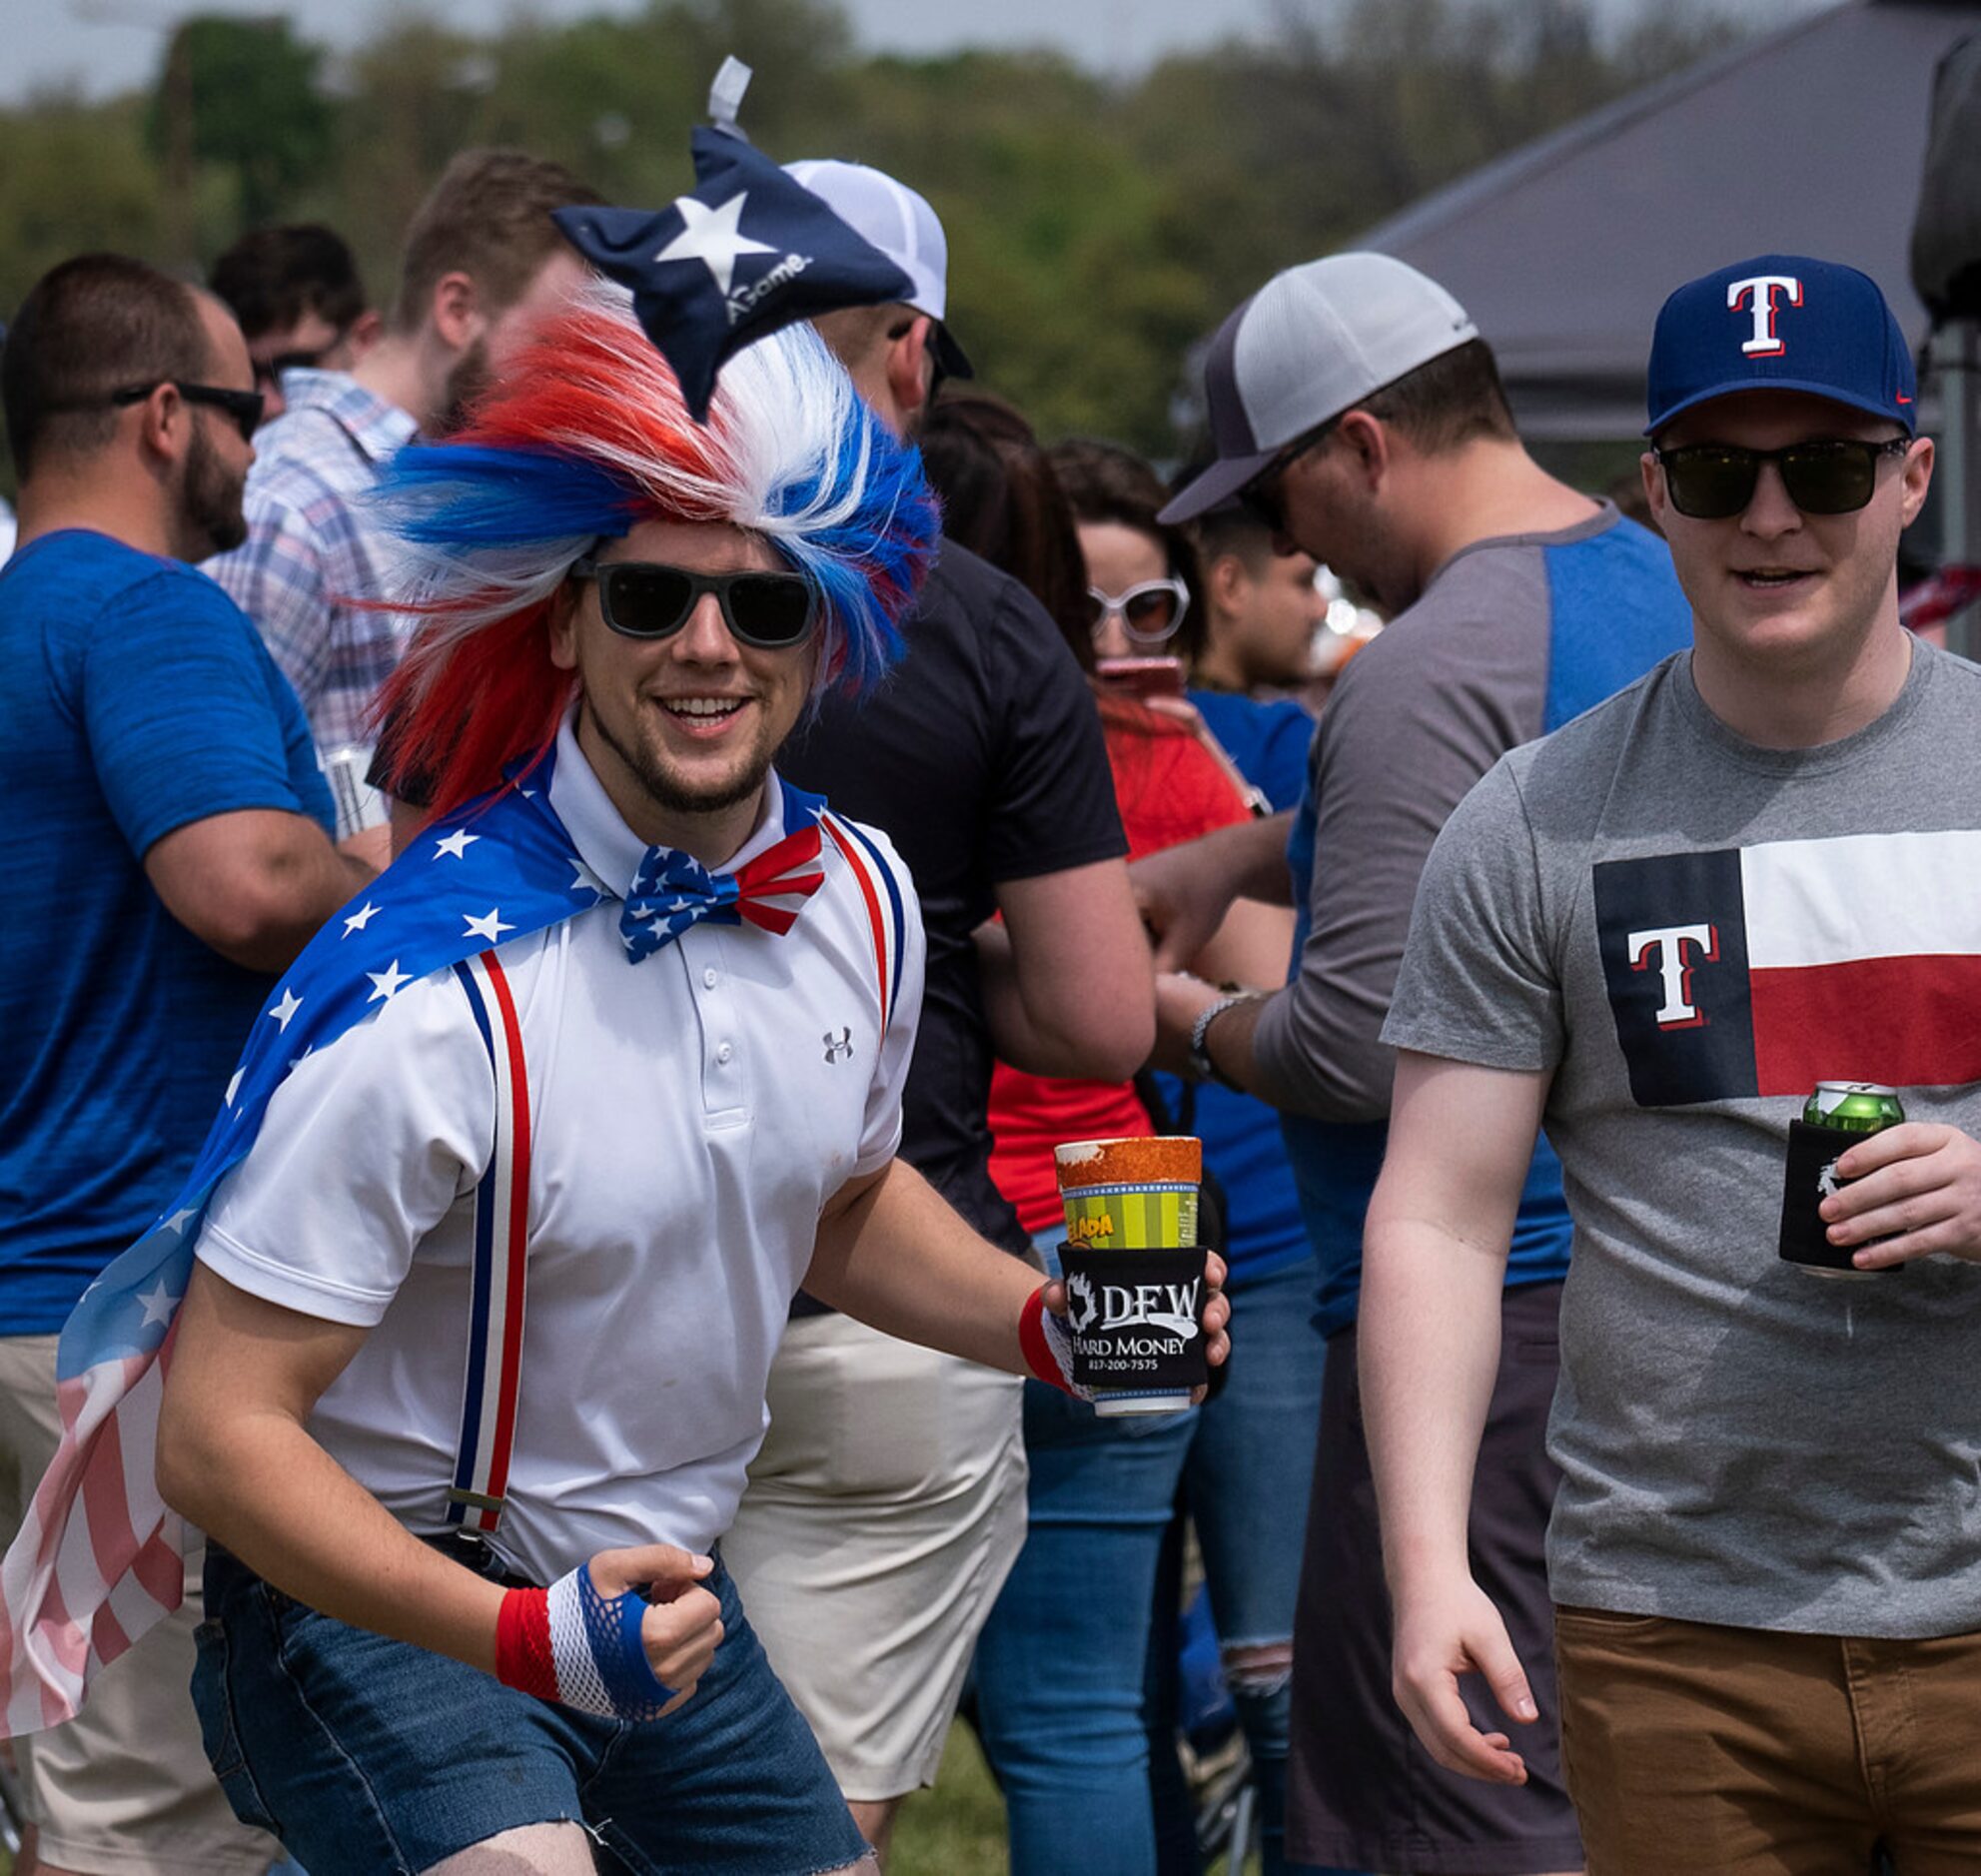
244,406
269,370
647,599
1260,497
1713,481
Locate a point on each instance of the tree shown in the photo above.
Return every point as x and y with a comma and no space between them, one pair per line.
243,93
1098,231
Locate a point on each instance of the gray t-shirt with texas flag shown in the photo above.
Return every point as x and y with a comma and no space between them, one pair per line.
1690,932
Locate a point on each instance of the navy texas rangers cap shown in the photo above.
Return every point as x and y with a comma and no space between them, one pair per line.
1781,322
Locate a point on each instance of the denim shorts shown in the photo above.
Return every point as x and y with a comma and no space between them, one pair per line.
368,1756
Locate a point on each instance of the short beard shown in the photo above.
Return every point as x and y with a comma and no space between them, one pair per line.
467,382
210,519
663,791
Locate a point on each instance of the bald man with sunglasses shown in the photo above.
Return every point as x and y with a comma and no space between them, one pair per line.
1655,932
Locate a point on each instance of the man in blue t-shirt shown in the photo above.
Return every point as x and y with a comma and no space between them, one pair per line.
166,818
1355,407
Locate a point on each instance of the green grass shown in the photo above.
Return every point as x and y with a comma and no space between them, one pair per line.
957,1827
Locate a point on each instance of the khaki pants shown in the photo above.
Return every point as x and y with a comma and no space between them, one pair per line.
1747,1752
882,1516
123,1789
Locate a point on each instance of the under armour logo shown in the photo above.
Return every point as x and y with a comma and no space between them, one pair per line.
839,1047
1765,291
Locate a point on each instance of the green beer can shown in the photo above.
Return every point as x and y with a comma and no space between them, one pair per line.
1852,1107
1836,1106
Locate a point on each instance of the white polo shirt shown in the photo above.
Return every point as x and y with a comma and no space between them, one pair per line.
690,1116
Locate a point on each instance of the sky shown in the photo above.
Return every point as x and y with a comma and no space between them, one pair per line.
104,46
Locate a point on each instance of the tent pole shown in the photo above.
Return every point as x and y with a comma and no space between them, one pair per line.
1959,466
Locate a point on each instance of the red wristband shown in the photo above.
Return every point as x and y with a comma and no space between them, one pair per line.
522,1643
1033,1344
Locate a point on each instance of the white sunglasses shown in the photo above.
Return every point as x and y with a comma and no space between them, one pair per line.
1149,611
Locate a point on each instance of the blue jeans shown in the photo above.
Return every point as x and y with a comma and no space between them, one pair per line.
372,1757
1060,1665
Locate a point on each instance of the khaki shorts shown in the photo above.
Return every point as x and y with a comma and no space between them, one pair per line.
882,1516
1749,1753
124,1789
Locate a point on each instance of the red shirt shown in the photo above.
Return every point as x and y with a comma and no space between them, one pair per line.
1170,789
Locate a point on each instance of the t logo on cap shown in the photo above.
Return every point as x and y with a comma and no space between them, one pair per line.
1765,290
1848,346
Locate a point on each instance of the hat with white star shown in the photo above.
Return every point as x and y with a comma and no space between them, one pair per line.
746,251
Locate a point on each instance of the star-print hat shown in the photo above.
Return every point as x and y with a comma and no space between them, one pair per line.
746,251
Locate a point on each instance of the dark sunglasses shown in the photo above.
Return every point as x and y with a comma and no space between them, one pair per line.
647,599
244,406
1713,481
1260,497
269,370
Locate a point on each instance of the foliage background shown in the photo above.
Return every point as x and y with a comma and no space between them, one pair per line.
1098,228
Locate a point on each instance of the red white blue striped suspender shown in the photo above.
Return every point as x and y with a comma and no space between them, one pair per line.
882,899
501,1201
501,1226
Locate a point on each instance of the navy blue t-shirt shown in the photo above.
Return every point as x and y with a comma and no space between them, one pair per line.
135,698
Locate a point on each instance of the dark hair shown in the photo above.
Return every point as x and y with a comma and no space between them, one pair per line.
1231,530
1455,398
271,277
1001,500
90,326
1106,483
488,217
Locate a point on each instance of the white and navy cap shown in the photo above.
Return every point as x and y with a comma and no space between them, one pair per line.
900,222
1309,344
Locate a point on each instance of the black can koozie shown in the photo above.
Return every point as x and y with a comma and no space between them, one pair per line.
1809,1179
1136,1317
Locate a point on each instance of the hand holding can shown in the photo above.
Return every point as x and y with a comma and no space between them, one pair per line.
1135,1273
1834,1118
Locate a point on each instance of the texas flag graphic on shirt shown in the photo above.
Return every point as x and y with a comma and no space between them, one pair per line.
1764,969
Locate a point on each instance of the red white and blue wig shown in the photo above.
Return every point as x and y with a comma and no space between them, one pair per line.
585,437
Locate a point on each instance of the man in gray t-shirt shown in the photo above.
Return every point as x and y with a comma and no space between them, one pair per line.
1357,410
1655,931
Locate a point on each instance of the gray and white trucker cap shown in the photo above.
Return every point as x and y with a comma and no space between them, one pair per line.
1309,344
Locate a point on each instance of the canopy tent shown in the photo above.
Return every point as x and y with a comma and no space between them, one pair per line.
1810,141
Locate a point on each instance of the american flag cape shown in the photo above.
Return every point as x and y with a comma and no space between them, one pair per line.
100,1556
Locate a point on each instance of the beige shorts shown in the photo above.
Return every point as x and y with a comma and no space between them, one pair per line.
882,1516
124,1789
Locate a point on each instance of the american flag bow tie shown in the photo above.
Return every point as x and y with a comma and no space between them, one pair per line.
674,891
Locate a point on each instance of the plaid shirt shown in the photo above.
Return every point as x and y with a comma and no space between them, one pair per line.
311,550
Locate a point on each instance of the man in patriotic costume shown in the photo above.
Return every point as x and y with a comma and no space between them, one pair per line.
500,1225
1655,932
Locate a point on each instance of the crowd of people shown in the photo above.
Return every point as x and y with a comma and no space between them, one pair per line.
668,887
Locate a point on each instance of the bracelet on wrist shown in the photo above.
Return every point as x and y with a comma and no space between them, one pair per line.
1201,1066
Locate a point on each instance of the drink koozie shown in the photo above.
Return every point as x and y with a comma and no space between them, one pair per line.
1136,1316
1809,1178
